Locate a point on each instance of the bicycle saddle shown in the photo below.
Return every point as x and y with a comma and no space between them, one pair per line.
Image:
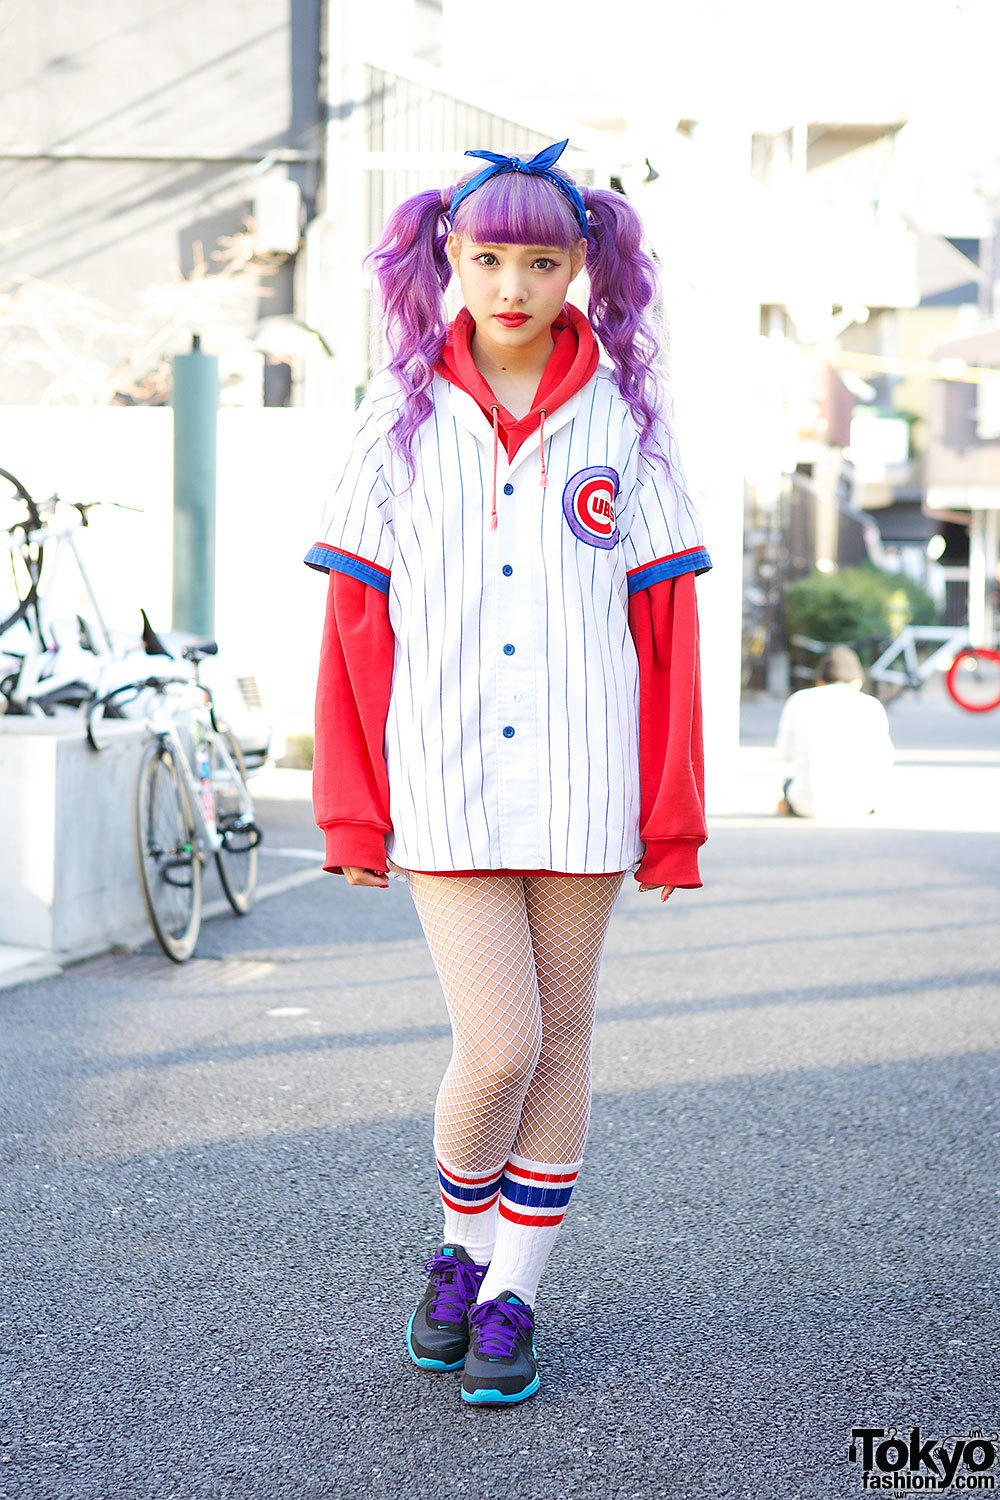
199,649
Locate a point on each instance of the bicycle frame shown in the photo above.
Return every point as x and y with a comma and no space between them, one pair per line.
59,529
163,725
952,637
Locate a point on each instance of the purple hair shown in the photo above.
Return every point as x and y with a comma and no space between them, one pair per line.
514,208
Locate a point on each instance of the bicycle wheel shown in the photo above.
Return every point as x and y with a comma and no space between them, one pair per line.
18,515
237,859
167,853
973,680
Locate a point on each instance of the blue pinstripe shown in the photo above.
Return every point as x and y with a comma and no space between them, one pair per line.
479,647
583,659
461,645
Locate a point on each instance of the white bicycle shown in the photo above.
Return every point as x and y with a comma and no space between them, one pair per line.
972,673
191,802
50,667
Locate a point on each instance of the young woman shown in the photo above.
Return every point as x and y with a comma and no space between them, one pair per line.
508,711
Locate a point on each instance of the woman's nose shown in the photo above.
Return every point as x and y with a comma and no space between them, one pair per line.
513,289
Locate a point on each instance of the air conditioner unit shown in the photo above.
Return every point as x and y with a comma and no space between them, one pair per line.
277,212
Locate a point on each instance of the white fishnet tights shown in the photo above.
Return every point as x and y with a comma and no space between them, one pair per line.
519,958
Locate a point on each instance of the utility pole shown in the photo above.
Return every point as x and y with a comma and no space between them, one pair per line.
195,401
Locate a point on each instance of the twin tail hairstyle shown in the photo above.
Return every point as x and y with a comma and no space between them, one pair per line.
413,271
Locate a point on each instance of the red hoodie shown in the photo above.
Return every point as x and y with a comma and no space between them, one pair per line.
350,783
574,358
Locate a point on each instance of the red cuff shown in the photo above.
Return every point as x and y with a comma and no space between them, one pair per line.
358,845
670,862
663,620
350,783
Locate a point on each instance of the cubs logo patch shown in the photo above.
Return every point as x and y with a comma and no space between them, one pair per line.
589,506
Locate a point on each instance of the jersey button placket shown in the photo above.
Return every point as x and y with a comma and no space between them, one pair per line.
516,747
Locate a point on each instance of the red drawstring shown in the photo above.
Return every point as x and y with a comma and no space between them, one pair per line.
496,443
496,453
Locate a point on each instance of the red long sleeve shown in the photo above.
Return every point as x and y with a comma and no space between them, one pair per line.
350,784
663,620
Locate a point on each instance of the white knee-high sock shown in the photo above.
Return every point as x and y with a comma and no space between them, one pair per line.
470,1207
533,1199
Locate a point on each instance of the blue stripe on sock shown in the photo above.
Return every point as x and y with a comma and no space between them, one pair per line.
533,1195
466,1193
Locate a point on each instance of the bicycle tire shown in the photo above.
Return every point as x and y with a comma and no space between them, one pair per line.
165,842
237,866
973,655
33,562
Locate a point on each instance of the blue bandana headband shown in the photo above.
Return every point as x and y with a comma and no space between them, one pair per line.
540,165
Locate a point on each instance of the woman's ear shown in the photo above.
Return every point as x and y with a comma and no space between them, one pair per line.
578,258
453,247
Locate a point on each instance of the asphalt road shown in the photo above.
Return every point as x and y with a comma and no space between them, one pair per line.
218,1195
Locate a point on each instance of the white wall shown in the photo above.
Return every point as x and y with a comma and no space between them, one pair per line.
67,879
691,216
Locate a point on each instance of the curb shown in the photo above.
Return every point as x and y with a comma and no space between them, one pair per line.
51,965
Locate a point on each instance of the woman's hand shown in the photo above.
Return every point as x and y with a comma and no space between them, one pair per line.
667,890
356,876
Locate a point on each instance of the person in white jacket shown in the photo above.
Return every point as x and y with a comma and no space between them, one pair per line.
836,744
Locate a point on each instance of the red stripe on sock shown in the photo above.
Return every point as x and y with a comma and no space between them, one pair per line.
468,1181
468,1208
542,1176
539,1221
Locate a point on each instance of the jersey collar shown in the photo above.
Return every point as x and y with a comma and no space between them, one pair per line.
572,363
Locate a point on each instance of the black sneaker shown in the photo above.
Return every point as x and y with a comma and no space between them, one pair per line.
437,1334
500,1366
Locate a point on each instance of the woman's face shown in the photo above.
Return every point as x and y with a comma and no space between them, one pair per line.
514,292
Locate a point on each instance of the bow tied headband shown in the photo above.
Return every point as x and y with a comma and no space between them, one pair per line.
539,165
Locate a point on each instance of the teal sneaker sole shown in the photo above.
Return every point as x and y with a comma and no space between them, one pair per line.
421,1360
499,1398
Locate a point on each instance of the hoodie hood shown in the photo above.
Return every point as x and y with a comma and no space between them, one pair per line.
574,358
571,364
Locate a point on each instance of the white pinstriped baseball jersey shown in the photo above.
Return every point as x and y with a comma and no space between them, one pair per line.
511,740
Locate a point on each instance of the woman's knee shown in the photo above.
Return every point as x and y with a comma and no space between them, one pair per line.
506,1069
568,1009
565,1048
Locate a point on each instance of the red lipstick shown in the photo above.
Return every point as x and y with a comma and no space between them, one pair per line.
511,319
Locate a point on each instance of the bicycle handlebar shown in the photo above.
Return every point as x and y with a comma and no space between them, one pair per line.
155,684
39,508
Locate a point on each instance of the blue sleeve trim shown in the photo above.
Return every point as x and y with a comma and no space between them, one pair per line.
328,559
695,561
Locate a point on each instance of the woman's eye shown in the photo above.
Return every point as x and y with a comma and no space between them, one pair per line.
487,259
544,262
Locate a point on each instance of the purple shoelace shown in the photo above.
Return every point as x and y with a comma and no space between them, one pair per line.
457,1287
500,1325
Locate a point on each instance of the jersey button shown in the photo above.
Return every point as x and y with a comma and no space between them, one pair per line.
507,570
508,489
508,730
508,650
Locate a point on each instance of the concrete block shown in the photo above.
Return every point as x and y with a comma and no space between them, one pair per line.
68,879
